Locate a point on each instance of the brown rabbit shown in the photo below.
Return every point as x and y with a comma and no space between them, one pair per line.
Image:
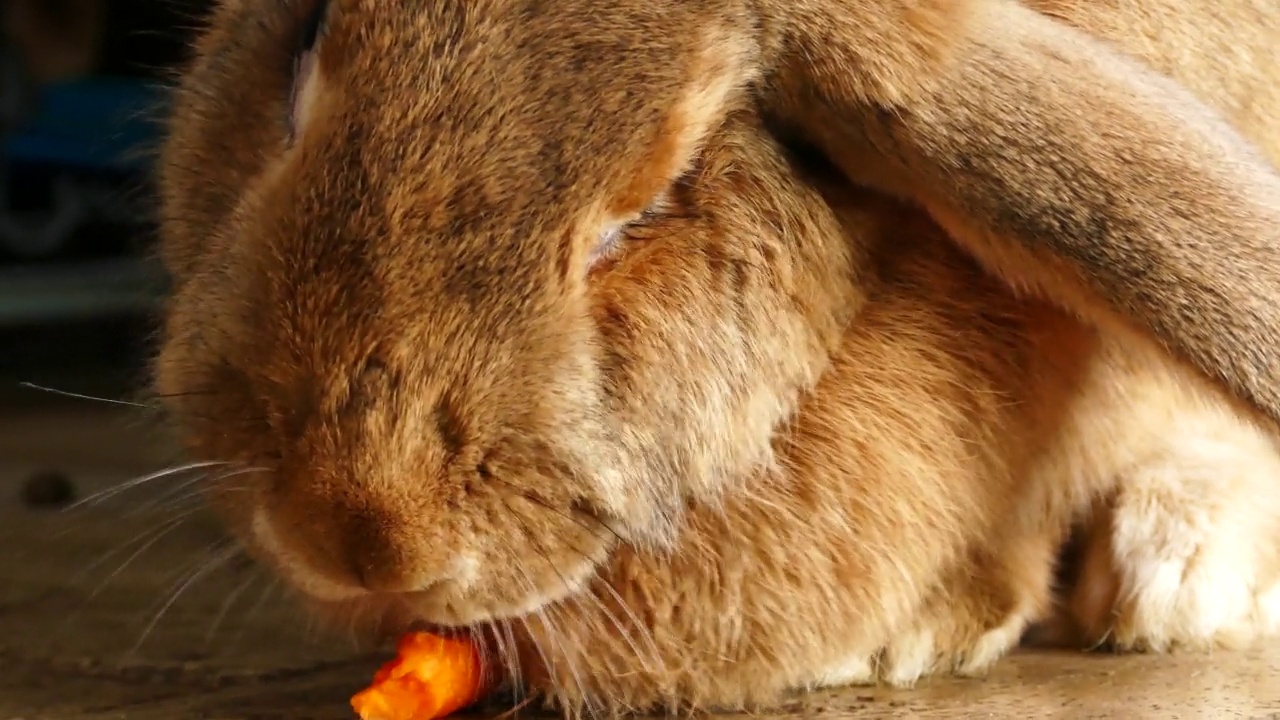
904,521
678,427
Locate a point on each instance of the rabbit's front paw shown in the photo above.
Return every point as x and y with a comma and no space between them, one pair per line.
971,620
1185,556
963,640
974,618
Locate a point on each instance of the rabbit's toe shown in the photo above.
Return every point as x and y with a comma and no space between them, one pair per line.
1184,558
962,636
970,621
858,669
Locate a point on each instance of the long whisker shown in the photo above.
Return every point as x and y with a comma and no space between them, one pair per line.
187,393
544,613
270,588
228,552
537,644
567,515
205,478
548,661
645,636
81,396
513,663
507,658
652,658
150,538
130,484
649,661
557,637
229,602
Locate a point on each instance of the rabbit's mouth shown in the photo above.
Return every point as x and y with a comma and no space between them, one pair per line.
490,579
445,609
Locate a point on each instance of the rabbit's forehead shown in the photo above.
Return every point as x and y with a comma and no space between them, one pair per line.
573,98
447,141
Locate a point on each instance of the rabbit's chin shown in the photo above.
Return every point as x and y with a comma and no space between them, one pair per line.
375,617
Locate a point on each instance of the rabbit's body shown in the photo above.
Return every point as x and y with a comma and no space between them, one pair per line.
912,461
1188,548
1064,166
1197,548
911,516
755,437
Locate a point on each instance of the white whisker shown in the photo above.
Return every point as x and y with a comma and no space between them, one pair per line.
80,396
268,590
204,478
151,537
129,484
509,656
228,602
218,561
640,628
557,638
537,647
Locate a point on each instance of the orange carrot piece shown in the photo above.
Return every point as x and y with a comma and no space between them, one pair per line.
430,678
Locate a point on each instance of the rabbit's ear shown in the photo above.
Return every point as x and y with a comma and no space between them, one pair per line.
1075,173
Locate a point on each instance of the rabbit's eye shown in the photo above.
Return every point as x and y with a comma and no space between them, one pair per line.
606,246
611,240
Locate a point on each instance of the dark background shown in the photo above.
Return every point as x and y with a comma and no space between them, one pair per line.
78,301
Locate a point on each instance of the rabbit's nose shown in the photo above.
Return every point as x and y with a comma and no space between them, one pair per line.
337,546
386,556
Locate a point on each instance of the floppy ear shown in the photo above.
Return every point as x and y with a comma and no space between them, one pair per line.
1070,170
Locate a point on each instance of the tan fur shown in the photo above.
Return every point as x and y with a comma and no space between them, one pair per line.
789,435
991,116
1189,544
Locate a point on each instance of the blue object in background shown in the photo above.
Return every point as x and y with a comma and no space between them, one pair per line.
87,134
82,137
93,124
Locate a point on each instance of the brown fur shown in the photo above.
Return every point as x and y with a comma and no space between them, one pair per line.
990,116
1228,55
788,436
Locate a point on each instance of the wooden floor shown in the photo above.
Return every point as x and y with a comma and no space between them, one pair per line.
131,608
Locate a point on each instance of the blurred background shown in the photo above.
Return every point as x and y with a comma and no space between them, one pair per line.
81,100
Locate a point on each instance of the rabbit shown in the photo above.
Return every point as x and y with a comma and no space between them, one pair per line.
726,489
842,486
681,419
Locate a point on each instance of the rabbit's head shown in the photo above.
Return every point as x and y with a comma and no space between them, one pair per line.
412,310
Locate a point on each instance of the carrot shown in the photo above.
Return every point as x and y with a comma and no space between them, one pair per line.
430,678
